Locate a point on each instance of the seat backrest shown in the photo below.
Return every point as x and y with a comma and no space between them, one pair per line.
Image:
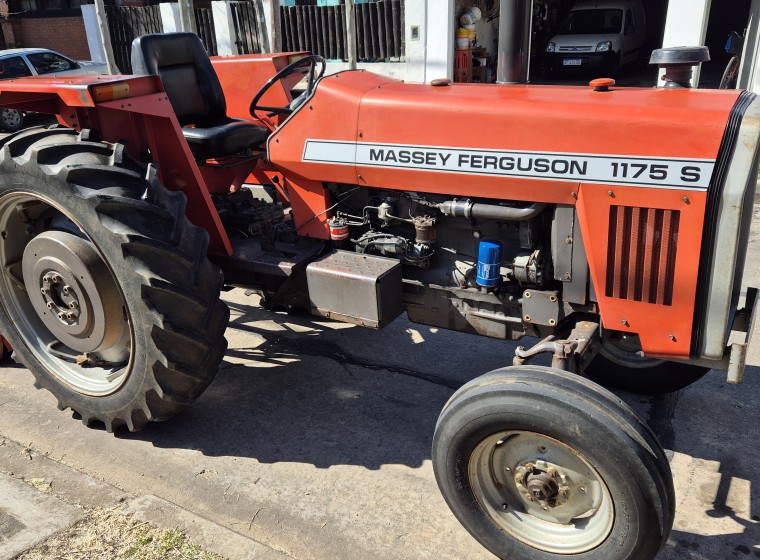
186,71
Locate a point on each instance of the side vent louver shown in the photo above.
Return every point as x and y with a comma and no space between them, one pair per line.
642,254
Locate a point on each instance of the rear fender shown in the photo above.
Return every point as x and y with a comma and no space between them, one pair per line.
134,111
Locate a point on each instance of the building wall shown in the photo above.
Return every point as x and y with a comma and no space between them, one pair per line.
65,35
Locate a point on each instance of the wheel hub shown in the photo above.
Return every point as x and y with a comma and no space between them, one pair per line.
72,291
543,487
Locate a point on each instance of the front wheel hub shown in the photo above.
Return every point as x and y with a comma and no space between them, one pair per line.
72,291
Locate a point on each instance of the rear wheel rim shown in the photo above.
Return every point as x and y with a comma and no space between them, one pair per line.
62,297
10,117
541,492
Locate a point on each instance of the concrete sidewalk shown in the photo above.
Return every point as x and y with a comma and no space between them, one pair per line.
40,497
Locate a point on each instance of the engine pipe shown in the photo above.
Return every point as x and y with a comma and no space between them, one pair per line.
475,210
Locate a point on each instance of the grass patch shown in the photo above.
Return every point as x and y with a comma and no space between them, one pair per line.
108,535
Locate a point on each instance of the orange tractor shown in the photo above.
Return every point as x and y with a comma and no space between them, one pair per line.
610,223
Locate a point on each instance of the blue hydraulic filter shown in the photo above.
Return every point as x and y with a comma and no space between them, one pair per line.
489,263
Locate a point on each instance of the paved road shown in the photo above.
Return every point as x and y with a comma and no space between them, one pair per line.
315,440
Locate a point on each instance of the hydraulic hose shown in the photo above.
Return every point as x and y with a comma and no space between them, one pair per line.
478,211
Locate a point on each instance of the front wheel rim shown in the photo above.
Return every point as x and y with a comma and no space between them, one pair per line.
62,297
541,492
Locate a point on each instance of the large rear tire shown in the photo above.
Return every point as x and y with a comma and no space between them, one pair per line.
620,365
539,464
107,295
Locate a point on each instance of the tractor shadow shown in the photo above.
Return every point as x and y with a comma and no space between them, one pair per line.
298,389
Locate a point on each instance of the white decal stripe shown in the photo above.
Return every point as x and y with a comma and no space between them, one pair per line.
680,173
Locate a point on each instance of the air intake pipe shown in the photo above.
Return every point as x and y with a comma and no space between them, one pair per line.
477,211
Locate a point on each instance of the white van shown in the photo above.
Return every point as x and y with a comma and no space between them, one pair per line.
602,36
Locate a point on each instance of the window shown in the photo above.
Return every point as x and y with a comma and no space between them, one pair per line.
592,22
13,67
630,23
49,63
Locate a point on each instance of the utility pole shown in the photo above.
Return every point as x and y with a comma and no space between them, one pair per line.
105,36
351,33
187,16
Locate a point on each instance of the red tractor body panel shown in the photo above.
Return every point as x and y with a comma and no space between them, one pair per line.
611,153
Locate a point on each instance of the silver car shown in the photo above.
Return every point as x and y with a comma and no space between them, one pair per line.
17,63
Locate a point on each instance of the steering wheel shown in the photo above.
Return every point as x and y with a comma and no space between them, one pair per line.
306,64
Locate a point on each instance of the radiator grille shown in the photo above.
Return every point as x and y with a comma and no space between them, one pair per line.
641,255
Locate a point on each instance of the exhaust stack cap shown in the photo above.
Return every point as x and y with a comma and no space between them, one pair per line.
677,62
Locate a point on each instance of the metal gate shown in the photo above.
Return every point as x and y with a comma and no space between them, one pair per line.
204,24
248,23
322,30
126,23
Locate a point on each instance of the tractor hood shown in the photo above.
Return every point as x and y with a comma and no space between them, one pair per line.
478,140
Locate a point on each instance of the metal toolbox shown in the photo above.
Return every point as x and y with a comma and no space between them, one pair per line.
356,288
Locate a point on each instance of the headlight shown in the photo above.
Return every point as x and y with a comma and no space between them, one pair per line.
606,46
550,47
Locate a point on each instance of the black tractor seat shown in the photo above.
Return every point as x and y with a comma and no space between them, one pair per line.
196,95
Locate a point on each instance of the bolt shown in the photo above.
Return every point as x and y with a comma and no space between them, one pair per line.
686,200
567,276
50,305
66,289
45,290
46,280
552,322
504,507
70,316
569,240
574,194
61,316
542,448
612,194
527,317
507,469
672,337
583,489
544,508
552,298
73,305
527,294
625,323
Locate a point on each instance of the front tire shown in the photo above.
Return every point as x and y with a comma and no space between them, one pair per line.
107,294
539,464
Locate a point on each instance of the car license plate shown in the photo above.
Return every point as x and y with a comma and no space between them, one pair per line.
571,62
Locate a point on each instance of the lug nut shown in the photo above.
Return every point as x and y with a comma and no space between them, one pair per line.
56,278
70,316
65,290
46,280
45,290
73,305
50,305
